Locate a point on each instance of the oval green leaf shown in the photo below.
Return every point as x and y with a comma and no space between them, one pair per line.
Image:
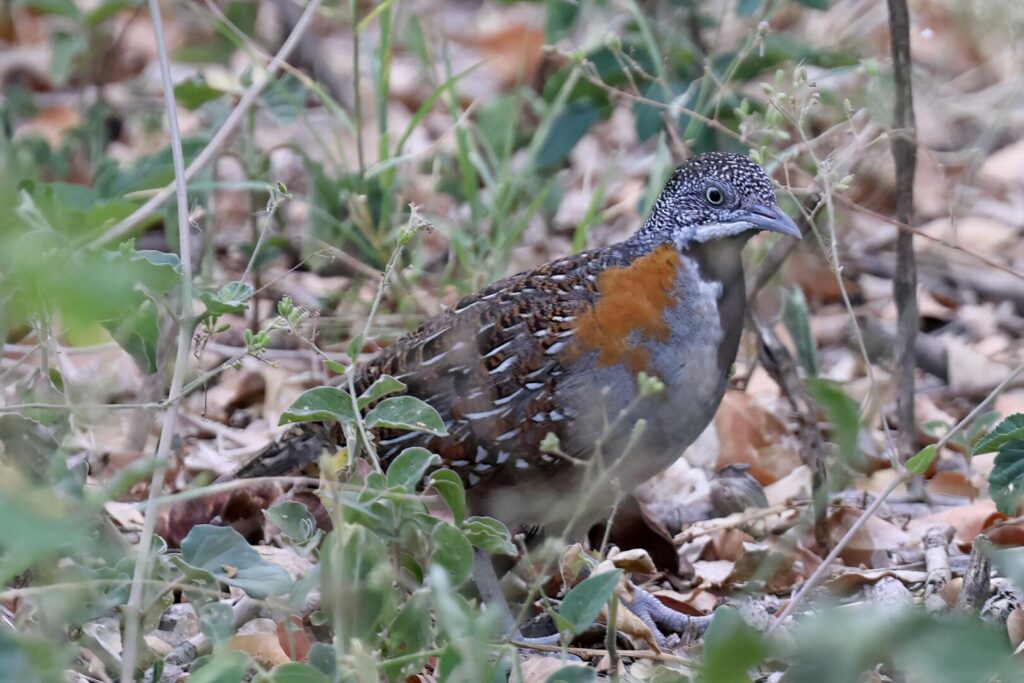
924,458
452,552
294,672
1006,480
408,468
384,385
584,602
572,674
489,535
225,554
1010,429
406,412
449,486
322,404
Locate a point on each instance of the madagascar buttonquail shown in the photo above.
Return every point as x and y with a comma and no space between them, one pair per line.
559,350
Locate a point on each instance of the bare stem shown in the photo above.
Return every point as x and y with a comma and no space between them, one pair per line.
132,610
904,152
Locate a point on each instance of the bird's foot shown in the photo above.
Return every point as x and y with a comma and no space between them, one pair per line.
656,616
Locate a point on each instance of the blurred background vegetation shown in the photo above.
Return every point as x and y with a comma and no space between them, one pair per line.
506,134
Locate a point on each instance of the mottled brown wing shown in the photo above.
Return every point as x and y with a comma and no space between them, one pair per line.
491,367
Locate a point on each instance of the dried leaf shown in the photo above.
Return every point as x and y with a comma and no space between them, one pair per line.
265,648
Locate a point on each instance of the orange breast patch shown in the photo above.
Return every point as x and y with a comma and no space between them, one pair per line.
632,299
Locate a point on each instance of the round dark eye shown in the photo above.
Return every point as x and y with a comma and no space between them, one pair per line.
714,195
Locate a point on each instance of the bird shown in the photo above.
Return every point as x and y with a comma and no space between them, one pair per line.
586,375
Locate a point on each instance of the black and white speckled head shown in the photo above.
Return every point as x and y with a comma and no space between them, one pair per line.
714,196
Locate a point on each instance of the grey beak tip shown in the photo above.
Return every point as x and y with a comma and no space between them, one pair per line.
775,220
790,227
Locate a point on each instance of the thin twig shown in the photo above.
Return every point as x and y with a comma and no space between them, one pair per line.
19,407
125,226
917,232
593,653
132,615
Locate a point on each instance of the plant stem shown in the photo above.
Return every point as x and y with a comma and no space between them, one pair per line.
132,613
904,152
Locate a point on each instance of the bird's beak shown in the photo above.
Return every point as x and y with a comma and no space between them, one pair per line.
772,218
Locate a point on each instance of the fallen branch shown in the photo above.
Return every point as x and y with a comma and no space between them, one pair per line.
936,560
974,592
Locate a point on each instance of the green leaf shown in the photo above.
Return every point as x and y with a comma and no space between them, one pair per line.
285,98
561,14
322,657
842,412
452,552
815,4
355,346
1006,480
1009,562
924,458
28,658
322,404
296,522
731,648
489,535
797,321
195,92
381,387
64,8
839,645
293,519
224,667
107,9
747,8
231,298
225,554
570,126
449,486
161,270
335,366
294,672
138,333
410,631
1010,429
584,602
648,118
217,621
408,468
66,48
35,524
572,674
406,412
200,586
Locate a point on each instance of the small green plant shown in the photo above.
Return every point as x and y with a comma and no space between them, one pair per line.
1006,480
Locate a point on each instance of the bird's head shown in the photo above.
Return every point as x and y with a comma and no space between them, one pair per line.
716,196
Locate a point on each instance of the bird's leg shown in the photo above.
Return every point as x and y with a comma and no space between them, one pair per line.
490,591
653,613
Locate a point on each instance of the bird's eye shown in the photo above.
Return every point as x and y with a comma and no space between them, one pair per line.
714,195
